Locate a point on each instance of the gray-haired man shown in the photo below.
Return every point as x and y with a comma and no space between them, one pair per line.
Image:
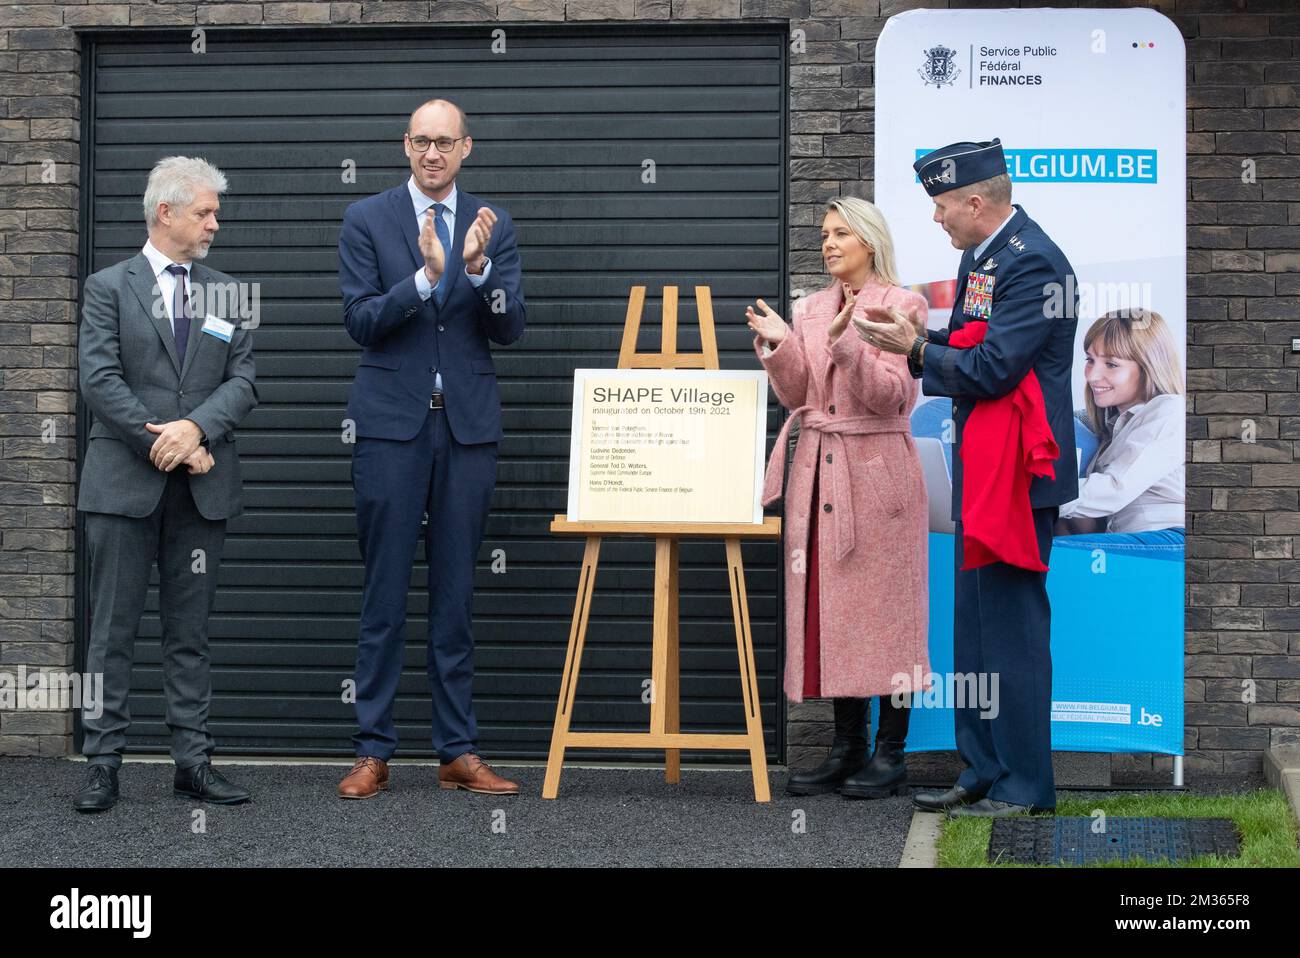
167,378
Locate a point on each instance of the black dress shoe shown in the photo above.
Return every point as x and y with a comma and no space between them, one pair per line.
99,792
848,751
942,801
992,808
203,782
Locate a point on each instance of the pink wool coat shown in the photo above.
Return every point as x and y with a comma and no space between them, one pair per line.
873,518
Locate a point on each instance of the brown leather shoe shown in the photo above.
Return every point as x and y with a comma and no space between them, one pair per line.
473,774
369,776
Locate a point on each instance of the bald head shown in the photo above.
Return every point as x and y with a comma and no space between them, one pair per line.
462,124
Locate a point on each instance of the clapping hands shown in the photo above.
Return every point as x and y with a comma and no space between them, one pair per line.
768,324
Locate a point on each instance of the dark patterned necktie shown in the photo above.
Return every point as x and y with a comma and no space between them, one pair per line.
180,312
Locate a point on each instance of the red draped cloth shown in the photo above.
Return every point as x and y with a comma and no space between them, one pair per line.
1005,443
812,647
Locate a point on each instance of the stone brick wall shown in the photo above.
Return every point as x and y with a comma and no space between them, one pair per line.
39,111
1243,284
1243,583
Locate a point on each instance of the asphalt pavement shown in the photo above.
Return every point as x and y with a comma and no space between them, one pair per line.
612,817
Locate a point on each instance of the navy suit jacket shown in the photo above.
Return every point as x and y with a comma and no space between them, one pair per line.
1032,319
406,341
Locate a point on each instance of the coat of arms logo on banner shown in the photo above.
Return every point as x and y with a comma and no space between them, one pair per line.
939,68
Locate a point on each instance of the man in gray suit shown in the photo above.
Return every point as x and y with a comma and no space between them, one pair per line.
167,378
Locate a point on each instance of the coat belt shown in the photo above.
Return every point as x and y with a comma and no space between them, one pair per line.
833,431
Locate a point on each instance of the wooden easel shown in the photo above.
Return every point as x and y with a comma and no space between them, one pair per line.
665,711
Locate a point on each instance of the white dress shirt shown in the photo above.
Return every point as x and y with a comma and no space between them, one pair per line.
166,281
422,205
1138,480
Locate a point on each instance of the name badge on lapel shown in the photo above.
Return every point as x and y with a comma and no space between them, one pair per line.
218,328
978,301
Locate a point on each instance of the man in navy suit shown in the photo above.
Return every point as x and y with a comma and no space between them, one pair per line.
1013,277
429,275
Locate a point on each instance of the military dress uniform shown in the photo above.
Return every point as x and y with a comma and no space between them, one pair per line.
1021,284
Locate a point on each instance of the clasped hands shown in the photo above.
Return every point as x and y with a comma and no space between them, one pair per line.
476,241
178,444
892,330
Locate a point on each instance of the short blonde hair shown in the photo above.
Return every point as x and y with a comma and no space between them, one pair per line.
868,223
995,190
1143,336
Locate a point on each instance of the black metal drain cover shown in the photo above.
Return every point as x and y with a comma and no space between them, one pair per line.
1043,840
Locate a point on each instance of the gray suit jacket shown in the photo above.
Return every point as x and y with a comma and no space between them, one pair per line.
130,376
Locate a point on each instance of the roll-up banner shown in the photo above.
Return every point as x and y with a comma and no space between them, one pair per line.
1090,108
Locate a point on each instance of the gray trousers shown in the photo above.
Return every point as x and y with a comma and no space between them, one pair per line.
122,550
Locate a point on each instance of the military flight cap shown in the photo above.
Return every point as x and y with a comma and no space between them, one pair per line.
960,164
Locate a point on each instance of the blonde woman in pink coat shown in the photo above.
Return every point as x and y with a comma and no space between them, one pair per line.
856,521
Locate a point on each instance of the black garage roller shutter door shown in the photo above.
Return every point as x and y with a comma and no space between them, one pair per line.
563,122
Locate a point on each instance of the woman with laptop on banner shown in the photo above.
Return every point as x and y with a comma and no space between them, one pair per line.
856,518
1134,488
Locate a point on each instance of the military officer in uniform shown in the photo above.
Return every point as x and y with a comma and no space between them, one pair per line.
1017,280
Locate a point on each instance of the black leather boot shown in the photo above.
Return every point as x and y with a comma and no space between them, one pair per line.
848,751
886,773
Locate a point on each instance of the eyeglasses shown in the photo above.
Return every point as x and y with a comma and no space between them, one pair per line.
444,143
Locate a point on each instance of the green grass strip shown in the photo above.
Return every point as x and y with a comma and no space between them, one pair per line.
1263,818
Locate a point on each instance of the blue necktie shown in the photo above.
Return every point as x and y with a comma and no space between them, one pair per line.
180,313
440,225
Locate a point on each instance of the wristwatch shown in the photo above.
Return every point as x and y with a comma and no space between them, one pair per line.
914,354
914,357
